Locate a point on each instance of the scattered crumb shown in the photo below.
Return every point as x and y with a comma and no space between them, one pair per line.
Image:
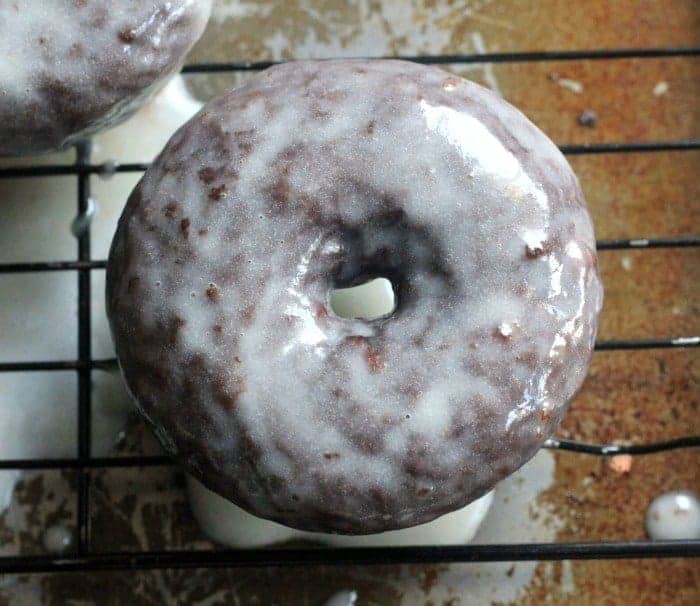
505,330
661,88
451,82
573,85
568,83
429,580
626,262
620,463
534,250
587,118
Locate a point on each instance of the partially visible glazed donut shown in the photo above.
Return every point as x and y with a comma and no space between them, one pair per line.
70,68
320,175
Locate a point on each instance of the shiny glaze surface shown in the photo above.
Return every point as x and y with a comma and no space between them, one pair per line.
69,68
321,175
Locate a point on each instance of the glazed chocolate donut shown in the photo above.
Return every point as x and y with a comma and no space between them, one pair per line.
70,68
320,175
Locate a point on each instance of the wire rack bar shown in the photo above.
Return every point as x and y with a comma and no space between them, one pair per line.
91,463
512,57
84,560
153,560
618,344
84,353
111,363
53,170
41,266
630,147
70,170
623,243
161,460
609,244
58,365
615,449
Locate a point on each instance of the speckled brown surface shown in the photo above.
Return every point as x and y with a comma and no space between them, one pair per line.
629,395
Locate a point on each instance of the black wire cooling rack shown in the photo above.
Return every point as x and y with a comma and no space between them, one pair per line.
84,558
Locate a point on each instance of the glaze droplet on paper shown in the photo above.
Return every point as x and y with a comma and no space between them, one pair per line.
57,539
674,515
342,598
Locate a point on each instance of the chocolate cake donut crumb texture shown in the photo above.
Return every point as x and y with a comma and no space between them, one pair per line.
70,68
320,175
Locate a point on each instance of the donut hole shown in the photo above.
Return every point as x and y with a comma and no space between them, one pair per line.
369,301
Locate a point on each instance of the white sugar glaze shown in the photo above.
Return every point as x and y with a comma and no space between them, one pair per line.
318,175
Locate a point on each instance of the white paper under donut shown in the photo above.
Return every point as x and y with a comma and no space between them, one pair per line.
38,311
226,523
